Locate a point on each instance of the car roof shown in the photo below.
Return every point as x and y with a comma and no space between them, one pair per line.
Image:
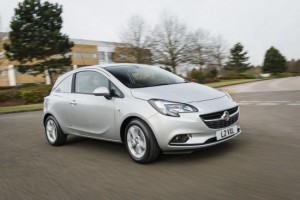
63,76
112,65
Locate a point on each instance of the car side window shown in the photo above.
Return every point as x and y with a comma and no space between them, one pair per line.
65,85
87,81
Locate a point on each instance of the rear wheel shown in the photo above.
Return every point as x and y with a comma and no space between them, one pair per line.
140,142
54,134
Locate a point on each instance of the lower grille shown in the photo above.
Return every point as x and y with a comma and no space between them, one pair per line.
218,122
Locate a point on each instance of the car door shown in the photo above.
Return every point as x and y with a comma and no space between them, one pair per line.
91,115
60,98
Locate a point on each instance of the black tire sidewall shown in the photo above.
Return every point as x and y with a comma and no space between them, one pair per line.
60,135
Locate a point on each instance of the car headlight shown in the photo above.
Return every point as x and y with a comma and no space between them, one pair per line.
171,108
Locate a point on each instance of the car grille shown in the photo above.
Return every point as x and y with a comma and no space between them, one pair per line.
214,120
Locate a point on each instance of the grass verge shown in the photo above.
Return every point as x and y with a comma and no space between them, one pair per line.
230,82
23,108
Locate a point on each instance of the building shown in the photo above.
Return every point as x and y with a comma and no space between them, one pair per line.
91,52
84,53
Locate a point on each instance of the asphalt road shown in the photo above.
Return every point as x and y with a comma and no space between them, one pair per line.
281,84
262,163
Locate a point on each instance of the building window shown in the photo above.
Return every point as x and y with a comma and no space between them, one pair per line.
110,56
76,55
101,56
86,55
94,55
3,73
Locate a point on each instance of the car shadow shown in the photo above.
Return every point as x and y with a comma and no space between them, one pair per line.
95,145
203,154
119,150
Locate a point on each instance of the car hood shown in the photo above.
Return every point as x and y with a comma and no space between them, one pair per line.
183,92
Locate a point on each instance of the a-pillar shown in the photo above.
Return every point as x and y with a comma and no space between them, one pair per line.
11,76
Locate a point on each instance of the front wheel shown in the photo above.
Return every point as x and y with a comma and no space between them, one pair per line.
140,142
54,134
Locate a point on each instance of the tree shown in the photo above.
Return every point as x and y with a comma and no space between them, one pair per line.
35,40
199,49
293,66
135,37
274,61
238,59
169,42
218,52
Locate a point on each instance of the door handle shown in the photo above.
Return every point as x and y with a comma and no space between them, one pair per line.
73,102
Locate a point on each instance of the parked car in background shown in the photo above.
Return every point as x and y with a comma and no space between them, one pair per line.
150,110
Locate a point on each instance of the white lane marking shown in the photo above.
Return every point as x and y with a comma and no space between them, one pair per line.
267,104
245,103
277,101
249,101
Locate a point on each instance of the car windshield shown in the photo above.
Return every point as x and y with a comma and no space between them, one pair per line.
134,76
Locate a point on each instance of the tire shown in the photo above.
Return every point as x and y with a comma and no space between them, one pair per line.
140,142
53,132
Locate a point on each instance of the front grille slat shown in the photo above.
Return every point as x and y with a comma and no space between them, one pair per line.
217,122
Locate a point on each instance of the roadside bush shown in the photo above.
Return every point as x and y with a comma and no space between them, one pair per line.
247,75
196,76
6,87
203,76
212,73
7,95
229,74
27,85
35,94
283,75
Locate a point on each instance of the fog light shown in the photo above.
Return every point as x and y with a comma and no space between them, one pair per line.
181,138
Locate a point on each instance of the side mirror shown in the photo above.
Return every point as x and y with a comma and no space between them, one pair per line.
101,91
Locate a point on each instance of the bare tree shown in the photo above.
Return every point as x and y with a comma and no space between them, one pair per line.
199,49
135,37
169,41
218,52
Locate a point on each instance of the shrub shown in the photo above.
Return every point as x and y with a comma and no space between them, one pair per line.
8,95
212,74
282,75
197,76
229,74
247,75
35,94
27,85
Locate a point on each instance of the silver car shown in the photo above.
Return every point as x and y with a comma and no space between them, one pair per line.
147,108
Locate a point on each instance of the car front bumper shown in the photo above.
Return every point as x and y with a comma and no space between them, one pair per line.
165,128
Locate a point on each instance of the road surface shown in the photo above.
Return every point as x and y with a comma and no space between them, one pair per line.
262,163
281,84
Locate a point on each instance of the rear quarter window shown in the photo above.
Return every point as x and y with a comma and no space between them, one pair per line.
65,85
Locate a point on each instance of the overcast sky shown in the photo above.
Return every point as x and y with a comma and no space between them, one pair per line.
257,24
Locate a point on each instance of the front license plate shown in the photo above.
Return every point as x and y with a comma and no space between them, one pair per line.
222,134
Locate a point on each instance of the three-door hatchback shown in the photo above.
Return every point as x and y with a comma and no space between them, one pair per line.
148,109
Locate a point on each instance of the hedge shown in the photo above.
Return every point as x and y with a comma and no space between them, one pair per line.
29,93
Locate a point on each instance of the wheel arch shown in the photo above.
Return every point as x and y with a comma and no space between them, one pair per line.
126,121
46,116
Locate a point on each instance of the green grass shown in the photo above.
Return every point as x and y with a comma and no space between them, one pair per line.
230,82
23,108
